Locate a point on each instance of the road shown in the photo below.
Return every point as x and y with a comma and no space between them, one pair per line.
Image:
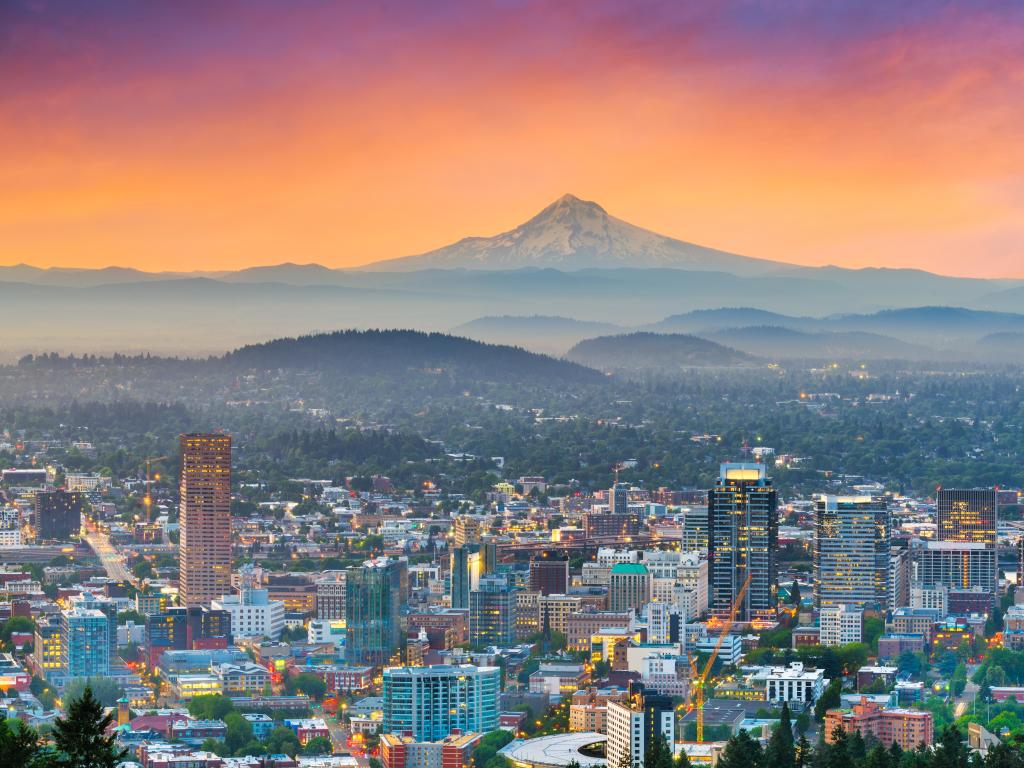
110,558
965,699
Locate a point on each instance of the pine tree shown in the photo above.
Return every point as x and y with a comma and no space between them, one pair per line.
950,752
803,752
741,751
780,752
80,737
19,744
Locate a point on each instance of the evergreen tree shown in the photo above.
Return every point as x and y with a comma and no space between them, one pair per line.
1004,756
877,758
837,754
950,752
80,737
683,761
741,751
780,752
657,754
803,754
19,744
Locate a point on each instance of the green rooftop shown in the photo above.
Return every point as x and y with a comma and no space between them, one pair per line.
630,568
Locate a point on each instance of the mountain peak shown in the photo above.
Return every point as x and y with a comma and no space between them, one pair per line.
570,234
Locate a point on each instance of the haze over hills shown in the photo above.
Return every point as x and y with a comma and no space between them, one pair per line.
548,334
654,352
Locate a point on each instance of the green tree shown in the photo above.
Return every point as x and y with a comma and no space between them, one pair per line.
741,751
658,754
210,706
239,731
781,747
830,699
1005,756
318,746
951,751
19,744
307,683
80,738
837,754
104,689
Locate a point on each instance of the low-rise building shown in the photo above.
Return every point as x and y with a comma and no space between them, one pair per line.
909,728
794,683
589,708
841,624
454,751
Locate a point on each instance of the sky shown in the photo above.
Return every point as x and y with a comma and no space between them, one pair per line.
207,134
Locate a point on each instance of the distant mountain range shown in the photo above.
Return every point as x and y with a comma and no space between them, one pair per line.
571,272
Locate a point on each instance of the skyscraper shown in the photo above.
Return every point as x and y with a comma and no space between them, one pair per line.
629,587
205,548
852,551
967,515
743,533
85,642
468,563
492,612
58,515
373,596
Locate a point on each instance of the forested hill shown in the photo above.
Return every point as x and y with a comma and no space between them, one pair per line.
654,352
377,352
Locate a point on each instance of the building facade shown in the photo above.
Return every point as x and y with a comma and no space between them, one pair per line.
629,587
852,551
205,544
743,541
374,596
431,703
58,515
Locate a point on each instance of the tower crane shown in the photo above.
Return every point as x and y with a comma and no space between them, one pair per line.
700,678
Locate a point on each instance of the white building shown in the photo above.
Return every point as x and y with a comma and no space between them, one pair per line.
841,624
659,622
730,653
930,596
253,613
693,576
624,726
324,631
10,537
794,683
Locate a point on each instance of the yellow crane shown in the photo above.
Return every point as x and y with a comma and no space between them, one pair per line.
698,679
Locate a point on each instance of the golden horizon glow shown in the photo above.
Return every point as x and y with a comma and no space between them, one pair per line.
217,137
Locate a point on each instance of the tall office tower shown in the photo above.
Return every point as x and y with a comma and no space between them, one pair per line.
967,515
205,548
492,612
58,515
549,574
431,703
899,578
85,642
184,629
48,644
629,587
618,499
851,551
373,598
743,538
330,595
468,563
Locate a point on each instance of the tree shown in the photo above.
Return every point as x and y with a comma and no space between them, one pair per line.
950,752
658,754
19,744
780,752
830,699
104,689
80,738
210,706
1004,756
282,740
307,683
741,751
318,746
133,616
238,733
837,754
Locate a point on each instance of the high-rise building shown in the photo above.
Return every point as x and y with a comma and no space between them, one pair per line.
899,578
468,563
633,725
618,499
373,597
492,613
743,536
108,608
430,703
967,515
85,642
852,551
330,595
466,529
549,574
179,628
956,565
695,529
48,645
629,587
205,547
58,515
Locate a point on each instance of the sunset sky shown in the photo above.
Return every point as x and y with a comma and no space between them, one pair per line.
217,135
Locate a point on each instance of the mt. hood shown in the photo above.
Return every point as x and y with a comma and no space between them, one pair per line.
572,234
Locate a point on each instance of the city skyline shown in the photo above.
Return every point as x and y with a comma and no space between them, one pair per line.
202,137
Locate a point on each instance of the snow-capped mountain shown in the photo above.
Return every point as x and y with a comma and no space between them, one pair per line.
572,234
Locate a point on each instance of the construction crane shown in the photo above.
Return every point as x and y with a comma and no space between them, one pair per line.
700,678
147,500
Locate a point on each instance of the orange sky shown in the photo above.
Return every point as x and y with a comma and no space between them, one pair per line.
217,136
